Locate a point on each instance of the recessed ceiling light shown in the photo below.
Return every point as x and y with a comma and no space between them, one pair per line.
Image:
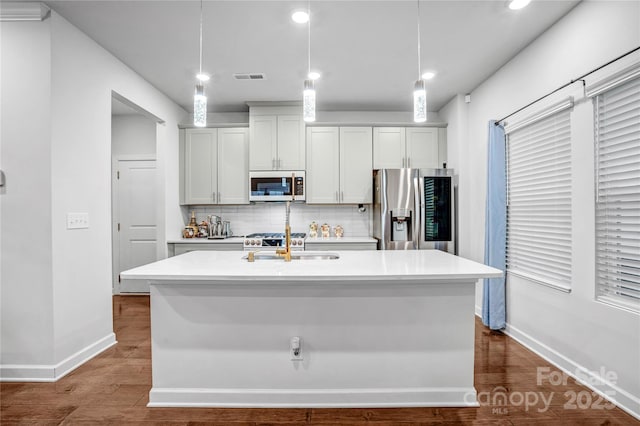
300,17
428,75
203,77
314,75
518,4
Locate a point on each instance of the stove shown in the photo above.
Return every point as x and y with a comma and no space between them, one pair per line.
273,240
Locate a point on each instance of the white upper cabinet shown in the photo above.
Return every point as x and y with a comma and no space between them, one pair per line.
422,147
323,167
276,142
339,164
263,146
356,163
415,147
215,166
233,166
200,174
389,147
290,143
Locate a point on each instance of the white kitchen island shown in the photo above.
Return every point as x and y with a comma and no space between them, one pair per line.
377,329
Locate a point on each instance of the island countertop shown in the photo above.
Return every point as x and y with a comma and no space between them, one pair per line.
207,267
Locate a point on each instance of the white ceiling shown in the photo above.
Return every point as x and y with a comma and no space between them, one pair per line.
366,50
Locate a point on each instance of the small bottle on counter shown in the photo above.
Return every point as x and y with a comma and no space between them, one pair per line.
203,229
191,230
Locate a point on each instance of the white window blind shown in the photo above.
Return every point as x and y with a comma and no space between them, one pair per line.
539,201
617,153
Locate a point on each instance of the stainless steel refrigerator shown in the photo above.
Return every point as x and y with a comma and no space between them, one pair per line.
415,209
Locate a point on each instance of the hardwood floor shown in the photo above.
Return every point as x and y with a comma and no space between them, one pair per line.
113,389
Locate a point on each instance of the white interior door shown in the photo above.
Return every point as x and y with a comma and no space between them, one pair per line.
136,209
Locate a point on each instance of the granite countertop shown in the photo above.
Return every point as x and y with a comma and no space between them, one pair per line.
420,266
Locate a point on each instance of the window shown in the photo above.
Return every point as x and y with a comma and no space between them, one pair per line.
617,157
539,199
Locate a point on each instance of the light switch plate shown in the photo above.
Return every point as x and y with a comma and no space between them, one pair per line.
77,220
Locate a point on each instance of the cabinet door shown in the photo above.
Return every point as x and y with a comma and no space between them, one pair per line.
422,147
200,159
291,144
262,142
389,148
323,170
233,166
356,160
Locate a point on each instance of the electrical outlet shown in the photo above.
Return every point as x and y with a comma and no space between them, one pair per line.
295,348
77,220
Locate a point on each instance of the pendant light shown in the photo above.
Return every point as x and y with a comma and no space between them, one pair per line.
419,89
199,98
309,93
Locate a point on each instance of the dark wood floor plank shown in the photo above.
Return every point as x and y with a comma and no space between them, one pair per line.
113,389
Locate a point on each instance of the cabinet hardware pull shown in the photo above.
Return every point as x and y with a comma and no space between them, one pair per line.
342,196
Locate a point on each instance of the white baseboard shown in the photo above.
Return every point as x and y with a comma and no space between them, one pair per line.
314,398
52,373
610,391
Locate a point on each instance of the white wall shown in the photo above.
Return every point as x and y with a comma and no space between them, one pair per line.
26,328
76,177
133,134
571,330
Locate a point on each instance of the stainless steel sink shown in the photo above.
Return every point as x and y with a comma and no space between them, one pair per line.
294,256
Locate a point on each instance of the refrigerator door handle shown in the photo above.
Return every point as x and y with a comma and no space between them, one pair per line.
417,221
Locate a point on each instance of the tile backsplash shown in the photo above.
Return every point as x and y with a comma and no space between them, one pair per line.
270,217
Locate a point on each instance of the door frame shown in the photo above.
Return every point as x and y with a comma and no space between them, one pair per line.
115,215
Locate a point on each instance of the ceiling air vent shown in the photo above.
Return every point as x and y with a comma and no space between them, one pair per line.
250,76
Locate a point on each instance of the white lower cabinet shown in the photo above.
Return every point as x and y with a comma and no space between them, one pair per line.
339,164
175,249
216,166
339,246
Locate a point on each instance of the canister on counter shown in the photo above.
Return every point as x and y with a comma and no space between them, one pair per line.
326,230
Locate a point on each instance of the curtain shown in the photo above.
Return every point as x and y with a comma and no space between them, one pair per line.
493,301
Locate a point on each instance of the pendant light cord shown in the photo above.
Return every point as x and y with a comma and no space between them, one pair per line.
419,76
309,39
200,36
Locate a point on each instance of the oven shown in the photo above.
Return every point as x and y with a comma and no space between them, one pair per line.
272,241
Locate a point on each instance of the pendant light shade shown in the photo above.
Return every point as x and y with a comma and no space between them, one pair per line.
309,101
419,102
199,107
419,89
199,98
309,92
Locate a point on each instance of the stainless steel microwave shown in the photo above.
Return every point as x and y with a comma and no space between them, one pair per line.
277,185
